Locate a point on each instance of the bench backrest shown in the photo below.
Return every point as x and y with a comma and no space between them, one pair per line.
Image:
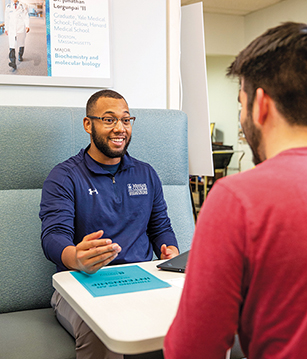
32,141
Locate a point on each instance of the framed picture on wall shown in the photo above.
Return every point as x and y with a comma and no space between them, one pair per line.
56,43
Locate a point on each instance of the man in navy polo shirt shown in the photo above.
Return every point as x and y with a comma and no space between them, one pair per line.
102,206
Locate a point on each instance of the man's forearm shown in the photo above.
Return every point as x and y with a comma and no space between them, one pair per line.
69,258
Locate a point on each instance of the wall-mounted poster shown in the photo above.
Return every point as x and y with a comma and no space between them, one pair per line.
55,43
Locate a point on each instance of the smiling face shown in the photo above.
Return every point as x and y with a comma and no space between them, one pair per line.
108,145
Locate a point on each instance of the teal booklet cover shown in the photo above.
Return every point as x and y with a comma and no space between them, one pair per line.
118,280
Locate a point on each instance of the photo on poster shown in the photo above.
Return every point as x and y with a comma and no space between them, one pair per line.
55,43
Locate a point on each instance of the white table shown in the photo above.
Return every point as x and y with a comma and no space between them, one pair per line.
129,323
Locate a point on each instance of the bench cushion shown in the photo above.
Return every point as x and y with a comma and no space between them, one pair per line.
35,139
178,201
25,272
34,334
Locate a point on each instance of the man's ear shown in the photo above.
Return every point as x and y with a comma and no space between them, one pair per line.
261,106
87,124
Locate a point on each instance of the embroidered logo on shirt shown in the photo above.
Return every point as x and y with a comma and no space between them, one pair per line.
135,189
91,191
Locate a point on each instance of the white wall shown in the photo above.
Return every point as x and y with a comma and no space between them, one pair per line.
224,34
2,7
289,10
173,53
140,62
224,110
227,35
223,95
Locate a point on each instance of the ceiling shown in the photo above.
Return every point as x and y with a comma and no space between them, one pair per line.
232,7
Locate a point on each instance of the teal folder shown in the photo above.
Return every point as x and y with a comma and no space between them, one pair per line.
119,280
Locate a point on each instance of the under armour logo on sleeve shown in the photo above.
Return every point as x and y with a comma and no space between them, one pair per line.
91,191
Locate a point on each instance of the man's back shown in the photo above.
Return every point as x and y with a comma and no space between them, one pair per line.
249,254
275,291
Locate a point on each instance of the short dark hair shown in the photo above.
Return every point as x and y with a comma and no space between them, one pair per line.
97,95
276,61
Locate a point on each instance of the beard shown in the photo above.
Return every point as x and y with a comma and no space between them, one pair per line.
104,148
253,137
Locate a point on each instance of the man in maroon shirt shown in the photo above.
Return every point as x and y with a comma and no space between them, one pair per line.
247,266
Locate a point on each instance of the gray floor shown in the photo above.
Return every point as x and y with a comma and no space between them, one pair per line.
35,55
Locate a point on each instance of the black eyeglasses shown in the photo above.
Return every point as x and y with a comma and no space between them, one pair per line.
110,122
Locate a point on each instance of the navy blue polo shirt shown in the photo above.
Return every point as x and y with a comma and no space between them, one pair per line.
80,197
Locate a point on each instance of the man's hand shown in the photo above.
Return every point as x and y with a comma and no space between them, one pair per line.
91,254
168,252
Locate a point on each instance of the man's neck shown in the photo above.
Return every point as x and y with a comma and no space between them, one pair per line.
284,138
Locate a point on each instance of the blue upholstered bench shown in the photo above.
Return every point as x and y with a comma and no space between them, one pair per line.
32,141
